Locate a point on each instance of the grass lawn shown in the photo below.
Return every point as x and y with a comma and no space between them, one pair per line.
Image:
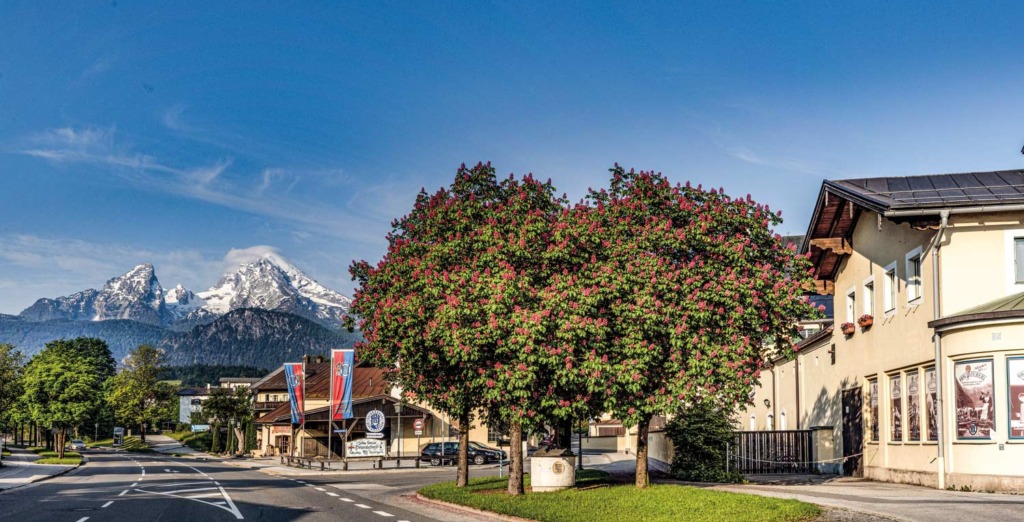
130,444
596,499
50,457
198,441
6,453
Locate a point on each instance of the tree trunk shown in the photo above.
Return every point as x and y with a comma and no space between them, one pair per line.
462,478
60,443
515,462
142,437
643,480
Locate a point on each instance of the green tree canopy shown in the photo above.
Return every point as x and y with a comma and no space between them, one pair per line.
63,384
136,395
669,296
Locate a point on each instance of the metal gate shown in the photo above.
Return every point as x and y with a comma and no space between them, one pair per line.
780,451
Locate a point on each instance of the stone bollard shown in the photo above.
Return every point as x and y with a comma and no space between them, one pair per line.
552,470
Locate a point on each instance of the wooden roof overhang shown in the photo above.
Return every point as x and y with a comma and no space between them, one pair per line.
828,237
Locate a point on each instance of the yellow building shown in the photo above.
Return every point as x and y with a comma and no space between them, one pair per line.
921,380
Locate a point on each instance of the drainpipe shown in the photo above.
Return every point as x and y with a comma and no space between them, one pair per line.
937,340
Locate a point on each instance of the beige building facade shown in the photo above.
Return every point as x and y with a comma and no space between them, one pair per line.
926,385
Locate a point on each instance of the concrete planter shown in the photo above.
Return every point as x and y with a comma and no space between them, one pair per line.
552,473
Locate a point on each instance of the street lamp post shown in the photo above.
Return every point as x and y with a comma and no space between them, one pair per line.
398,409
96,431
144,426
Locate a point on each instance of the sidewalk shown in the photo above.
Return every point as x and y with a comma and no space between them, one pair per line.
19,469
882,499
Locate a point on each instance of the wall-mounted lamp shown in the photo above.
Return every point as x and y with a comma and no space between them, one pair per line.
767,403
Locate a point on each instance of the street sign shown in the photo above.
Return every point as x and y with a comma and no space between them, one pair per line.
418,424
339,431
375,435
418,433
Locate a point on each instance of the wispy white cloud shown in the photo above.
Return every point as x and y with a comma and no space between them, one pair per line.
100,66
269,196
791,164
57,266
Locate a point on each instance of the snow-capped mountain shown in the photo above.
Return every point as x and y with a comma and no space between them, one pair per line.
272,283
136,295
268,283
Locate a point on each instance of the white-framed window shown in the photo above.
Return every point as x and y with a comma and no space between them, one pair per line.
753,422
770,423
914,275
782,420
890,286
1018,260
1013,260
851,305
869,296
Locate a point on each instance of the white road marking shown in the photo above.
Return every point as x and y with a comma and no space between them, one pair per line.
167,470
300,482
332,494
364,506
383,513
347,499
109,502
134,484
319,489
121,494
83,519
227,504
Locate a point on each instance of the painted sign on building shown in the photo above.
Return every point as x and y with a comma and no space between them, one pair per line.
1015,384
897,408
975,413
364,448
913,407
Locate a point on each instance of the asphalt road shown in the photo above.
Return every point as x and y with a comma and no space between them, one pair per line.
142,487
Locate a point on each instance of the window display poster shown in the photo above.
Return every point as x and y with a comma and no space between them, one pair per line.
874,410
930,402
1015,382
897,407
913,408
975,412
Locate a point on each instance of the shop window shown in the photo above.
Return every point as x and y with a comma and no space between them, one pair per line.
930,404
896,408
1015,401
913,407
975,411
873,401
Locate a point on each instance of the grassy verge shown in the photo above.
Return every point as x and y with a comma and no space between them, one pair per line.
50,457
197,441
595,499
130,444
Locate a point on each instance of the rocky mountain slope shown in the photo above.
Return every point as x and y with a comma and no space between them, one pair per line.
266,312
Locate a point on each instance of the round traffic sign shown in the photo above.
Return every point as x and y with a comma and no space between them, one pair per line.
418,424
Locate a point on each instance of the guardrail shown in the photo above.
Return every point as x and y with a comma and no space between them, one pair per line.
328,465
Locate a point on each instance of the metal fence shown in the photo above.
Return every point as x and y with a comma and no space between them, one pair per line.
781,451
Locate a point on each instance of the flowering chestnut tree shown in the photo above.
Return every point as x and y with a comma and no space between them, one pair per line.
667,295
452,310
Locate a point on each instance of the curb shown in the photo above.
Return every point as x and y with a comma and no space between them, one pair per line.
85,460
467,509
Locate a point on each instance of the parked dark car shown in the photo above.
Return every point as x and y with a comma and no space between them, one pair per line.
437,455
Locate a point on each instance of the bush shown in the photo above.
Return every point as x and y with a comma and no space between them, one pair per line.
700,435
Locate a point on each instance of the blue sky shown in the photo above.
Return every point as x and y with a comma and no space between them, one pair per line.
194,136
